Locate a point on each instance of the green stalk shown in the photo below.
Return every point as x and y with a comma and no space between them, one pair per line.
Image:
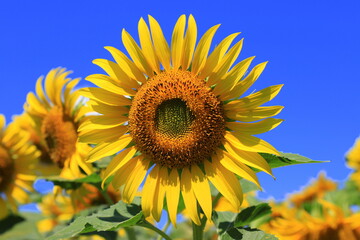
130,232
165,228
148,225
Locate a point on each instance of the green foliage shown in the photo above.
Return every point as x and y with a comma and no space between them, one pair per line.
23,226
109,219
69,184
226,221
251,214
286,159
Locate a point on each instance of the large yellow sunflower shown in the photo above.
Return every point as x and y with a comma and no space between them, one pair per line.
174,111
18,160
56,114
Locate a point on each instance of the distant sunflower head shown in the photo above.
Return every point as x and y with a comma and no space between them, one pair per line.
175,111
55,113
330,222
18,159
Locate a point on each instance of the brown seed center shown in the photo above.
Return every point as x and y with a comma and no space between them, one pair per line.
6,169
59,133
176,120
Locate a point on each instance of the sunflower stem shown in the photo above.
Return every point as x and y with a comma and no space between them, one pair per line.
216,199
197,231
164,229
148,225
106,196
130,232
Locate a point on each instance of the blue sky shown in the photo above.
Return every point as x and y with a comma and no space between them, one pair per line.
312,47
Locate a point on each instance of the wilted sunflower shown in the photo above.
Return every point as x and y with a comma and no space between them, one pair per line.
174,111
17,162
56,114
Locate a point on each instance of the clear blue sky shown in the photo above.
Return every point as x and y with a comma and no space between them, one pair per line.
313,47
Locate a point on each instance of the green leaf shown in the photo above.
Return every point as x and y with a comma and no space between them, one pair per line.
22,227
109,219
10,221
224,222
250,214
286,159
68,184
248,186
246,234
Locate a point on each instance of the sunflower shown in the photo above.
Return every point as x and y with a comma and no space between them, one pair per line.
353,160
315,191
55,115
18,160
298,224
174,111
59,209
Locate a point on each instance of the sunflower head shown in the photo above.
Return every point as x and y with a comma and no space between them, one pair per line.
6,169
56,112
176,119
18,160
175,111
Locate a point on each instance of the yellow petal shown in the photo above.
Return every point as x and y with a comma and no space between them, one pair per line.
161,46
104,82
159,194
121,176
147,201
225,64
255,99
237,167
189,43
202,50
189,196
49,85
147,46
251,159
135,179
20,195
242,86
35,105
217,55
103,96
117,162
224,86
201,189
95,136
102,122
108,149
172,194
136,54
125,65
86,167
224,181
108,110
254,128
177,42
249,143
40,92
2,121
250,115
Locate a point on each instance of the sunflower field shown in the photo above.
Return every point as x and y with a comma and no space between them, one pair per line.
164,143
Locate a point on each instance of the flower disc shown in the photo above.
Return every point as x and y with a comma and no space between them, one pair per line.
176,119
6,169
60,136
